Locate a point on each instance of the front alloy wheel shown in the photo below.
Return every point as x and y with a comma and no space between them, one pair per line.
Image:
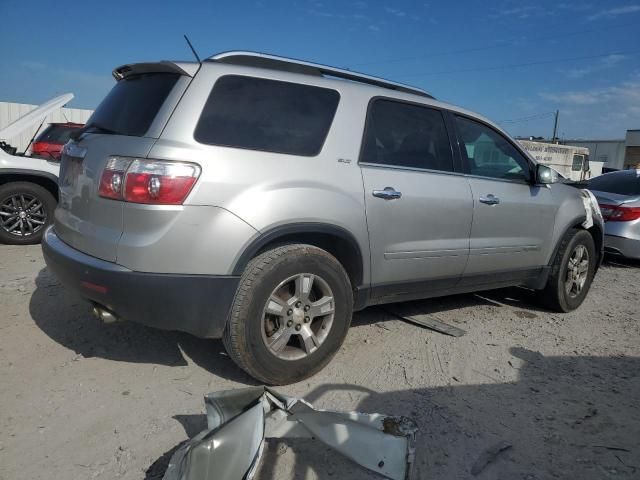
577,271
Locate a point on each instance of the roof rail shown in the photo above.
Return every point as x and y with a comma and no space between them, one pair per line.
263,60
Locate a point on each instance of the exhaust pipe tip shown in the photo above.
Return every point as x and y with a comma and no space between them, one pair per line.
104,315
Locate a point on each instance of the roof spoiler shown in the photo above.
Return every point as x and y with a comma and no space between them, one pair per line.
127,70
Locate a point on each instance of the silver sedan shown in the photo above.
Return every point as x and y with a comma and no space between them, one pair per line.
618,195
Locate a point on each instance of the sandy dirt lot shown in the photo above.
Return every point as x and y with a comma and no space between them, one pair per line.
84,400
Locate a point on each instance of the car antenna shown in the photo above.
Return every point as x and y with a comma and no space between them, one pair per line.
193,49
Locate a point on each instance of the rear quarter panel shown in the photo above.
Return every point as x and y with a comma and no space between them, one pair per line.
267,190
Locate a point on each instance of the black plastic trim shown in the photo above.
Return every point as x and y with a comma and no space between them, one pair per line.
197,304
404,291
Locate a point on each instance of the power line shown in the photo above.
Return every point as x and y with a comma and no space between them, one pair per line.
528,118
518,65
503,44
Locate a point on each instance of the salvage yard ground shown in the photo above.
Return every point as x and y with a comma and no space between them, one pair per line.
84,400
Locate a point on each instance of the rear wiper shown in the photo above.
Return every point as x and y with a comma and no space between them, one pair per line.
92,126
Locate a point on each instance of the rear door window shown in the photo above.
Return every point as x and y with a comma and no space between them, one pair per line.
406,135
267,115
133,103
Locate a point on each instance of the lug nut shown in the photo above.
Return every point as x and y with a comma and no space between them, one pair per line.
306,319
298,327
289,312
298,304
306,308
289,323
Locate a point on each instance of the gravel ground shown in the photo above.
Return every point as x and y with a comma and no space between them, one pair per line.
85,400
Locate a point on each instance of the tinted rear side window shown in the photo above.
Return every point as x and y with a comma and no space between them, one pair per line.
620,183
56,134
267,115
405,135
132,105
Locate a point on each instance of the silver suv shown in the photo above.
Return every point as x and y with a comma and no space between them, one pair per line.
263,200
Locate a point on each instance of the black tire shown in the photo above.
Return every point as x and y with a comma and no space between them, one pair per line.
243,335
45,214
555,295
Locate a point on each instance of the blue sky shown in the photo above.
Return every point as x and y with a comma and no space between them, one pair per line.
496,58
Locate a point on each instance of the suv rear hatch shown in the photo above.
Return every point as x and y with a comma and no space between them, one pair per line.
127,123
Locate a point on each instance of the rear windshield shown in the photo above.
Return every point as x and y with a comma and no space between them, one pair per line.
267,115
620,183
131,106
56,134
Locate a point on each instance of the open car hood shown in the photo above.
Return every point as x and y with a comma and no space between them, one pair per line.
34,117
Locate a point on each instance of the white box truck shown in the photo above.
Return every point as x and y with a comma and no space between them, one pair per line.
569,161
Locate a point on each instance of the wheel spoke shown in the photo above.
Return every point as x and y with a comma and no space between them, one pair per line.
322,307
304,283
583,266
13,225
275,306
309,340
36,221
280,339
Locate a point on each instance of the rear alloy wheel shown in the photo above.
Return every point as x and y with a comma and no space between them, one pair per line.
290,315
571,273
298,316
26,209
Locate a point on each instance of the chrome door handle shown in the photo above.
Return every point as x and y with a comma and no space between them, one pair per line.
389,193
489,199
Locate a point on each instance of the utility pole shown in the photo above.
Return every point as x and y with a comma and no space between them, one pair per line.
555,127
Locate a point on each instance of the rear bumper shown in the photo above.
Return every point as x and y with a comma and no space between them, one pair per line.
626,247
197,304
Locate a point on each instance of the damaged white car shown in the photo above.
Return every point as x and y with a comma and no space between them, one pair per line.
28,185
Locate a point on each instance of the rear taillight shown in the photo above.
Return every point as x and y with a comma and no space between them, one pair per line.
112,180
148,181
619,213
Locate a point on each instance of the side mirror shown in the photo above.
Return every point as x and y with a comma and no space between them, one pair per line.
546,175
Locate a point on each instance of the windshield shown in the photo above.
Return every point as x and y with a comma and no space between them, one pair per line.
131,106
621,183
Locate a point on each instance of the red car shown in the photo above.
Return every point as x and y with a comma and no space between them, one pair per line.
49,143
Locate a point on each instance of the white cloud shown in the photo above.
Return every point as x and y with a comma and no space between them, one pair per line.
604,64
395,11
614,12
603,111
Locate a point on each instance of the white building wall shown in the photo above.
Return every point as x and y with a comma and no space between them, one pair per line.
10,112
610,152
